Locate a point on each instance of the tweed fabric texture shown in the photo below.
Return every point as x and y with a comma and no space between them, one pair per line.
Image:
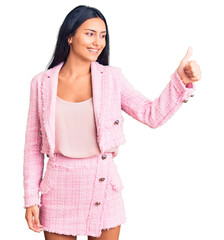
112,92
81,196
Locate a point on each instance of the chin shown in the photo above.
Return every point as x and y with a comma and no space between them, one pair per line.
92,58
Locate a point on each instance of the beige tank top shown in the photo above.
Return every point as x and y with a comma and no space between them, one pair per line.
75,129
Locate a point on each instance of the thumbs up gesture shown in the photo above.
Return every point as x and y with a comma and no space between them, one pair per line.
189,71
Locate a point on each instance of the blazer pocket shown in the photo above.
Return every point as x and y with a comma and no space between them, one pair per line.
47,181
115,181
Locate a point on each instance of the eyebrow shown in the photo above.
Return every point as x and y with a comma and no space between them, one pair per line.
94,30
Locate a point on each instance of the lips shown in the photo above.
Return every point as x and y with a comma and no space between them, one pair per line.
93,50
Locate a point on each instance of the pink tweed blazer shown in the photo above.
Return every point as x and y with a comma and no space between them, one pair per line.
111,93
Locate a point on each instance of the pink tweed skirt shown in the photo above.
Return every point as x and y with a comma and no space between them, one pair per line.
81,196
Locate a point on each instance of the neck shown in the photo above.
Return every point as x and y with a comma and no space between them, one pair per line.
75,67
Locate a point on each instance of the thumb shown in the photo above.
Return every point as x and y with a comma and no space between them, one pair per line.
36,218
188,55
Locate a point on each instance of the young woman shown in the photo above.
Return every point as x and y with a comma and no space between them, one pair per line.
75,119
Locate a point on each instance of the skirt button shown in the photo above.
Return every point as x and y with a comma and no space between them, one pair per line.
104,156
97,203
101,179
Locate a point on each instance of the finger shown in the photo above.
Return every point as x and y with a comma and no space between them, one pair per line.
192,69
36,225
192,72
36,220
195,76
191,64
36,229
188,54
30,223
195,79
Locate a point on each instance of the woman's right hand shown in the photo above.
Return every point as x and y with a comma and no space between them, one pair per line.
32,218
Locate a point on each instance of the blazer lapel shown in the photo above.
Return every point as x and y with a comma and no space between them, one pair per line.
99,90
49,86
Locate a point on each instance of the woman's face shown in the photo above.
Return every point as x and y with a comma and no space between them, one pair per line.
89,40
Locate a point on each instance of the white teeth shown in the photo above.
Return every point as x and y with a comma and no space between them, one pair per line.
93,50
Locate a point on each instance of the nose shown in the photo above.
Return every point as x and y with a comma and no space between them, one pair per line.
96,41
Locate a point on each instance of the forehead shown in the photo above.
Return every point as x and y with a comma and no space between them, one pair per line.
94,23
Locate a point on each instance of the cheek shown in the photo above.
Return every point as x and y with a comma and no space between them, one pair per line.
82,42
85,41
104,44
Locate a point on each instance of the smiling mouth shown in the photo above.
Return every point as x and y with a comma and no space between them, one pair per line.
93,50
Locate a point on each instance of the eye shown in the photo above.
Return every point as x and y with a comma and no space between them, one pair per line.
104,36
89,33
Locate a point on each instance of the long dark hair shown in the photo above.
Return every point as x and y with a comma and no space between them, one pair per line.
69,26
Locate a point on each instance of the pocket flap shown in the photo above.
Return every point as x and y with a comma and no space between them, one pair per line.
115,180
47,182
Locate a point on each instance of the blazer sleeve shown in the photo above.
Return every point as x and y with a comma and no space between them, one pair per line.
33,158
157,112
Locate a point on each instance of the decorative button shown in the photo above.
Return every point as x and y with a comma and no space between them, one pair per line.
104,156
40,133
47,155
185,101
116,122
192,95
97,203
48,76
101,179
101,72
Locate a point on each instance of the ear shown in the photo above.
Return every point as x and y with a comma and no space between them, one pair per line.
69,38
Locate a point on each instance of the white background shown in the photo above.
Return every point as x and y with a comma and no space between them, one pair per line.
172,175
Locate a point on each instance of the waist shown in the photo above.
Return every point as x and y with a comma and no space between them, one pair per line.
60,160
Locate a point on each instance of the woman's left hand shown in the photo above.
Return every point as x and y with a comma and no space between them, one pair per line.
189,71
